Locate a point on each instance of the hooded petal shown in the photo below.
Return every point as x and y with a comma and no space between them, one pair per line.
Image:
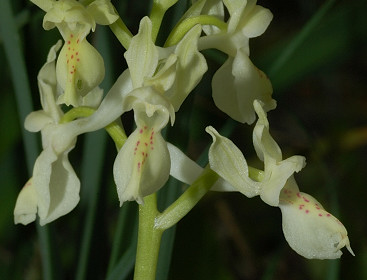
26,206
229,163
47,84
79,69
236,9
103,12
56,185
187,171
308,228
276,170
255,22
142,55
190,68
69,16
237,84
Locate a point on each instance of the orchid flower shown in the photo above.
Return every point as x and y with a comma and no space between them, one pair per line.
238,82
53,190
143,163
155,84
308,228
225,158
79,68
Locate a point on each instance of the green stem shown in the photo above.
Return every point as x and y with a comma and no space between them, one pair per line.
121,32
76,112
149,239
183,27
177,210
255,174
157,13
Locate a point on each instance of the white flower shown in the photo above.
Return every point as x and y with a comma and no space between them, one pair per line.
308,228
155,85
79,67
238,82
53,190
228,161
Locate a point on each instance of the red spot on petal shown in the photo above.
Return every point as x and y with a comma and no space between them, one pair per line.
299,195
320,215
68,42
307,211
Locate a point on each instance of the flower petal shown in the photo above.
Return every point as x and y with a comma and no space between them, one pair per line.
47,84
103,12
187,171
142,55
26,206
310,230
237,84
255,22
56,185
37,120
69,15
79,69
183,168
276,170
142,165
190,68
228,161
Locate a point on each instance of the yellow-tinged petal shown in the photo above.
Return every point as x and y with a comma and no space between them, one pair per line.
229,163
142,55
69,16
142,165
26,206
79,69
237,84
308,228
103,12
276,170
191,66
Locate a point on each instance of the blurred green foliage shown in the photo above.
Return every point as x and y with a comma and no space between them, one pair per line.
315,55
